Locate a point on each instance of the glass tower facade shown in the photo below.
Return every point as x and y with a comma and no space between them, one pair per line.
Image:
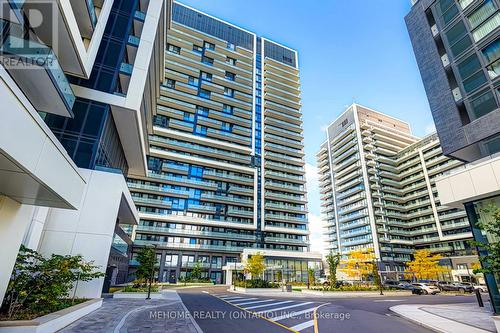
226,167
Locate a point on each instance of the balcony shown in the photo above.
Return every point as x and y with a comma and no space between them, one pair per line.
182,232
285,218
283,240
232,211
159,190
297,128
280,148
226,199
201,209
183,181
212,174
37,71
286,197
283,141
186,246
284,207
285,187
160,203
229,136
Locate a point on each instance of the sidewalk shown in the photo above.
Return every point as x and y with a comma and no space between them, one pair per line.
137,315
449,318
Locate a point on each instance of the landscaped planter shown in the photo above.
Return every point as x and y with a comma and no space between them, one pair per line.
142,295
356,293
53,321
496,319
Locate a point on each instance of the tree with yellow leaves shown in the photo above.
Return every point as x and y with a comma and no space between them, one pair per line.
255,265
425,265
359,264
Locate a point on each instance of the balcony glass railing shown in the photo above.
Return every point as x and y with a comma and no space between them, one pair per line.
195,232
227,175
183,180
33,53
192,246
227,198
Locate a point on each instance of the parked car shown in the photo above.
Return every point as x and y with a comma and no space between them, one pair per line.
481,287
405,286
456,286
391,284
424,289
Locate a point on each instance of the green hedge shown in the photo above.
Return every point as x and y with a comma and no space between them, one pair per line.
256,283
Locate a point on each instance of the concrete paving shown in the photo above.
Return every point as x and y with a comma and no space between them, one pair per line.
167,315
449,318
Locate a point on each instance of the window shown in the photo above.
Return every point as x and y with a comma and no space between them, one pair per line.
209,46
231,46
483,104
202,130
207,60
206,76
202,111
469,66
204,93
484,29
481,14
193,81
288,60
231,61
174,49
227,109
170,84
197,49
447,10
226,126
491,56
228,92
230,76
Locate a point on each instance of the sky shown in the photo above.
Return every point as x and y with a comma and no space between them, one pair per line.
349,51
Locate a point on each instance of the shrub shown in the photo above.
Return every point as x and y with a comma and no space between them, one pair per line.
39,285
256,283
140,289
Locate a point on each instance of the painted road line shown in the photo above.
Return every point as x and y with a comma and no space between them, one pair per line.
231,298
255,302
292,314
243,299
262,306
285,307
303,326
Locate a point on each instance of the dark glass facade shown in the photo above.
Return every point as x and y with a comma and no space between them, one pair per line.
90,137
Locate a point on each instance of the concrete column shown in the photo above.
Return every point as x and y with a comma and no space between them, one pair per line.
14,220
34,231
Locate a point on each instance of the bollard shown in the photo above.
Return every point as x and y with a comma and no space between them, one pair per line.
479,298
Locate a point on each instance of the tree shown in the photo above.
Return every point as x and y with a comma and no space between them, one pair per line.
255,265
425,265
490,223
196,272
359,264
333,261
147,263
311,279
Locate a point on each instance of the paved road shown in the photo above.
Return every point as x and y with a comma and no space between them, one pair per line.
217,310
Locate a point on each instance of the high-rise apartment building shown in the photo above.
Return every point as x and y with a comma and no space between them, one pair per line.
226,158
456,44
377,184
78,83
